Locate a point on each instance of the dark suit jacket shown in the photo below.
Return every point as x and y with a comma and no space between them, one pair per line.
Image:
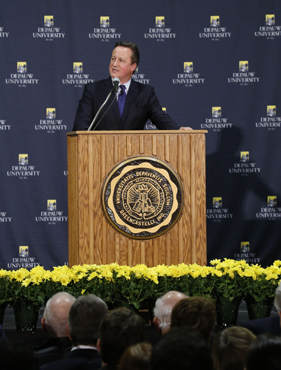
265,325
84,359
53,349
141,105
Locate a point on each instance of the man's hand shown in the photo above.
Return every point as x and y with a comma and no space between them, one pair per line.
186,128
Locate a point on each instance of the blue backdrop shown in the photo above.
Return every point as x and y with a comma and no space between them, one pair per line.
214,65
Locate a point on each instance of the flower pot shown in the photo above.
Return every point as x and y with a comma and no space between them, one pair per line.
26,315
227,311
258,310
2,311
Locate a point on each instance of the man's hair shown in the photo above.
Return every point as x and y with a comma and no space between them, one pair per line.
118,330
264,353
277,299
195,312
230,348
56,314
85,316
163,307
181,348
135,58
136,357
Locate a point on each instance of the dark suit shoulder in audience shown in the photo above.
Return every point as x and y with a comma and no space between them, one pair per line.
53,349
77,359
265,325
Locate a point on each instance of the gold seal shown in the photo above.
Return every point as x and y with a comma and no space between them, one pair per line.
142,197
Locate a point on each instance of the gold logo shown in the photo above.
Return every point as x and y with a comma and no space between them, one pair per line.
142,197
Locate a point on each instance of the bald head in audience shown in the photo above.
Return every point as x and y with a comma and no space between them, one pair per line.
163,309
55,317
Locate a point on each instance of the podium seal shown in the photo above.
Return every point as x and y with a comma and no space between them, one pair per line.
142,197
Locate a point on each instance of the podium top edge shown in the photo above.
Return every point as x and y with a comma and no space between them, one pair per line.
143,132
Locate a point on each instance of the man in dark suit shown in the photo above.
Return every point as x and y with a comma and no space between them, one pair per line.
84,318
54,321
141,103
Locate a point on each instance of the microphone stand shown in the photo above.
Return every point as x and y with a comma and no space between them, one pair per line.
98,112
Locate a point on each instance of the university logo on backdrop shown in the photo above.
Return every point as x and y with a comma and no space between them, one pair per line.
271,121
245,76
48,32
214,32
245,167
160,32
22,78
246,254
217,121
23,170
217,213
105,32
50,124
77,78
51,215
270,211
23,260
188,78
270,30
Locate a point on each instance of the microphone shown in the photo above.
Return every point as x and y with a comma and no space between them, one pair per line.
116,82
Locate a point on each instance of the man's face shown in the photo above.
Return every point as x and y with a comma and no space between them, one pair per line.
120,64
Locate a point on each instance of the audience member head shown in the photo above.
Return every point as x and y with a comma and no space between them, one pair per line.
195,312
277,300
230,348
181,348
55,317
17,356
118,330
264,353
163,308
136,357
85,316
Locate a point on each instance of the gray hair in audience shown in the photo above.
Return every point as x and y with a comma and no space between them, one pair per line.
84,318
277,299
164,305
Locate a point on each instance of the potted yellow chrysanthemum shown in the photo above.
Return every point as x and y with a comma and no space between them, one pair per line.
28,293
259,287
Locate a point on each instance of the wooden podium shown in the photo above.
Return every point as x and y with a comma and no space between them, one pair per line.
91,157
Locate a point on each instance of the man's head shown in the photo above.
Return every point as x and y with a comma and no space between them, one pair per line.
124,60
195,312
277,300
118,330
264,353
163,308
55,317
230,346
85,316
181,348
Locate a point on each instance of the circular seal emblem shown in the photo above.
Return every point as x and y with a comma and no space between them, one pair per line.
142,197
